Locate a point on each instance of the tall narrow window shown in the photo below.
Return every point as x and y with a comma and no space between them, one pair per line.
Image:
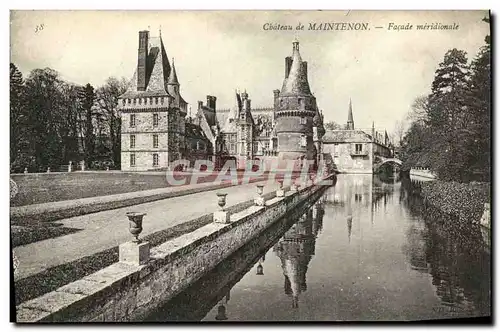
302,120
359,148
155,159
132,120
303,141
155,141
155,120
132,141
132,159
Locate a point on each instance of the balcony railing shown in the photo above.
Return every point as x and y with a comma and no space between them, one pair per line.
267,153
359,153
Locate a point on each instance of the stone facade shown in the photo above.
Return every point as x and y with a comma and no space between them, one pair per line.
153,111
154,118
295,108
354,150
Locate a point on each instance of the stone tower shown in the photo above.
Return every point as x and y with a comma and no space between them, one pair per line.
152,110
295,108
245,128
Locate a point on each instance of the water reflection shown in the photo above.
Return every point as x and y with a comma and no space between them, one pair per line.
296,248
368,249
451,254
212,292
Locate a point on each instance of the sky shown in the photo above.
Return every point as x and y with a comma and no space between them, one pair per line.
216,52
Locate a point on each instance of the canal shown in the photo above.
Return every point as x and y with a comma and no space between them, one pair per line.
366,250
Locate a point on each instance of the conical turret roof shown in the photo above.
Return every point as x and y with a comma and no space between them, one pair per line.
172,79
296,83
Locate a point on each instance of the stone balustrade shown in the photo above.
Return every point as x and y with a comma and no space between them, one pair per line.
144,279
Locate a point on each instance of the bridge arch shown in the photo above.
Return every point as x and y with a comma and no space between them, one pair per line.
381,161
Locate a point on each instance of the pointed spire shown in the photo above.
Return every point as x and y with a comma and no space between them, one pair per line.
172,79
236,107
350,120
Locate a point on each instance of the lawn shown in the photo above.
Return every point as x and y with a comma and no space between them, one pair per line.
43,188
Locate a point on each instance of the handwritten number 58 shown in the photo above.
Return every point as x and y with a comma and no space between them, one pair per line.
39,28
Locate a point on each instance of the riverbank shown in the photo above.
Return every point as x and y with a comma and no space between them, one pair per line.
464,201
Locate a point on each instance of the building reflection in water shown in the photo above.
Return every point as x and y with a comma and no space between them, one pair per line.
357,192
296,248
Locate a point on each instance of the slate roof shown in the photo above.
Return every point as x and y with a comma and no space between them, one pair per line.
346,136
158,74
194,131
296,83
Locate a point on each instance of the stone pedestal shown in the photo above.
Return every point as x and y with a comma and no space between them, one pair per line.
222,217
259,201
280,193
134,253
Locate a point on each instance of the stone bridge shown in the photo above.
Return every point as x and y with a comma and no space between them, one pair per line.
379,161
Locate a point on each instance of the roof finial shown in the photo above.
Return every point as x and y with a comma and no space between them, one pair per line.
295,43
149,28
160,30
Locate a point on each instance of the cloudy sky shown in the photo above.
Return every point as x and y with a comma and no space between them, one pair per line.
216,52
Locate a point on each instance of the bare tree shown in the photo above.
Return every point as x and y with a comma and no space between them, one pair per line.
107,102
419,110
399,132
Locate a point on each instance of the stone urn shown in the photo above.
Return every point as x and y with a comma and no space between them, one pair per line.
260,189
260,269
135,224
221,200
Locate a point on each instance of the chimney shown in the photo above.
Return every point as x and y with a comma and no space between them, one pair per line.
200,104
211,102
288,65
141,60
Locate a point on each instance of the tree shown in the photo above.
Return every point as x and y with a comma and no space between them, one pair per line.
419,109
107,103
448,116
71,130
399,131
17,113
86,97
45,118
332,125
479,105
